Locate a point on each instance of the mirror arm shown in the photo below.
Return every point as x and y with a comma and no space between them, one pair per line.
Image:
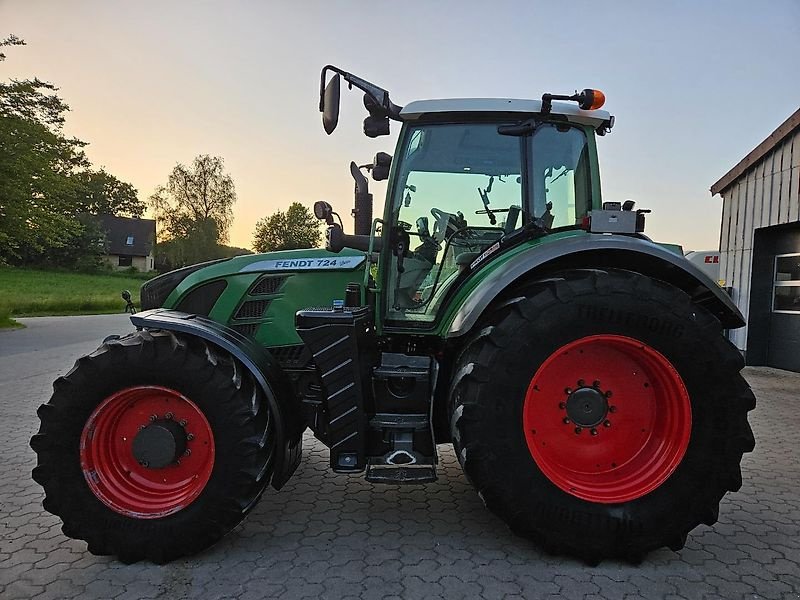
378,94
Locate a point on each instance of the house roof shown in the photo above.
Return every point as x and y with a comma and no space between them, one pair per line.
120,230
755,155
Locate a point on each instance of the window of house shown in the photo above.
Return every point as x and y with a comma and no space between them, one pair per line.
786,285
125,261
129,241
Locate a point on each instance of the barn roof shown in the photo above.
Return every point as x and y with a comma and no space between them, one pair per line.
775,138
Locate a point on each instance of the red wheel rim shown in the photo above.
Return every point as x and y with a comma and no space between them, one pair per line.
113,472
607,418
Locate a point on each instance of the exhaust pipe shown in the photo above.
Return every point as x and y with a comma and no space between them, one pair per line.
362,206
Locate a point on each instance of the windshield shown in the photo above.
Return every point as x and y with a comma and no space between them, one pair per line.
461,187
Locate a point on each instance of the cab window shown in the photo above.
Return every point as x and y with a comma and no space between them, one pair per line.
559,174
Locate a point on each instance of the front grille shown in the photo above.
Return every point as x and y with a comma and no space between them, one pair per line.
252,309
268,284
248,329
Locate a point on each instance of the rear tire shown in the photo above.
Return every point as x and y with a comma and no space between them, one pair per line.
108,495
561,496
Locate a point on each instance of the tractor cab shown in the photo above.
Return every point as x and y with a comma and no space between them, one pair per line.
469,177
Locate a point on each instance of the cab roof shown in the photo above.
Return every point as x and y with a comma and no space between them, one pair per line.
420,108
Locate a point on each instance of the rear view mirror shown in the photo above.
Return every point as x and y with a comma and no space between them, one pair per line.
330,104
381,165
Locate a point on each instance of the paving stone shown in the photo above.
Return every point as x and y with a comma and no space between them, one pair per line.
335,536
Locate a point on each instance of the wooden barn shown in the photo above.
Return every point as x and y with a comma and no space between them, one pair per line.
760,247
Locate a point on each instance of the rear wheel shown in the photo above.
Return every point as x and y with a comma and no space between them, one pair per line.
602,415
153,447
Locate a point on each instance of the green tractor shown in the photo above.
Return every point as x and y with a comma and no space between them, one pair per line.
578,368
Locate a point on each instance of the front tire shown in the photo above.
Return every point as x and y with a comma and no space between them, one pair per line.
153,447
602,415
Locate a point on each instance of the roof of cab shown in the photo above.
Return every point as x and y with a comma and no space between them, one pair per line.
415,110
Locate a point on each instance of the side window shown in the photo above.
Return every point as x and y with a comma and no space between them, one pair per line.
560,174
786,286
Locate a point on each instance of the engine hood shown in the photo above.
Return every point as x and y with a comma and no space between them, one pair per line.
259,294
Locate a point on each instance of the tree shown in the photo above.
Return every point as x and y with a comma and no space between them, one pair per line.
45,181
37,191
193,198
102,193
290,230
194,212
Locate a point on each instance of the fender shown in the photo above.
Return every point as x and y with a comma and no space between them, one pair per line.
597,251
289,426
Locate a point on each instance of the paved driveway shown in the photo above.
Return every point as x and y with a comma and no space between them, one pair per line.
335,536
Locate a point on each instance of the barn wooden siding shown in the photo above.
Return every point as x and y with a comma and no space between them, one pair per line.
767,193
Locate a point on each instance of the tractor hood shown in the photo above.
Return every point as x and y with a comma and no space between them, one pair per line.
249,292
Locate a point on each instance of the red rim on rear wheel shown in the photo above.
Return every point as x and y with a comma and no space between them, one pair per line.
147,452
607,418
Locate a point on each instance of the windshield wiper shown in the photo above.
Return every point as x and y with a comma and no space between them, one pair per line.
484,194
519,129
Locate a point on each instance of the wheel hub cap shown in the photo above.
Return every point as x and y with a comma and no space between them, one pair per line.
159,444
587,407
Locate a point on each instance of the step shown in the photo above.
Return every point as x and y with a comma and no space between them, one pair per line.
406,474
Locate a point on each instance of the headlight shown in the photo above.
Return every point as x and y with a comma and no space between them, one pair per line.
154,293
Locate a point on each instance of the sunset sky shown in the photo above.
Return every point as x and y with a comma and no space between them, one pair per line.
694,86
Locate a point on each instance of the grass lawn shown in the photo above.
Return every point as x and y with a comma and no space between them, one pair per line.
31,292
6,322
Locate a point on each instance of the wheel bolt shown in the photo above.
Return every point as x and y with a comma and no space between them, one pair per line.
153,417
566,420
581,383
169,416
578,430
144,463
609,394
612,409
189,437
187,452
182,422
593,431
562,405
142,427
596,383
606,423
567,391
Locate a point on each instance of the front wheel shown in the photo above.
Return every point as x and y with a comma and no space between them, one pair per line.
602,415
153,447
